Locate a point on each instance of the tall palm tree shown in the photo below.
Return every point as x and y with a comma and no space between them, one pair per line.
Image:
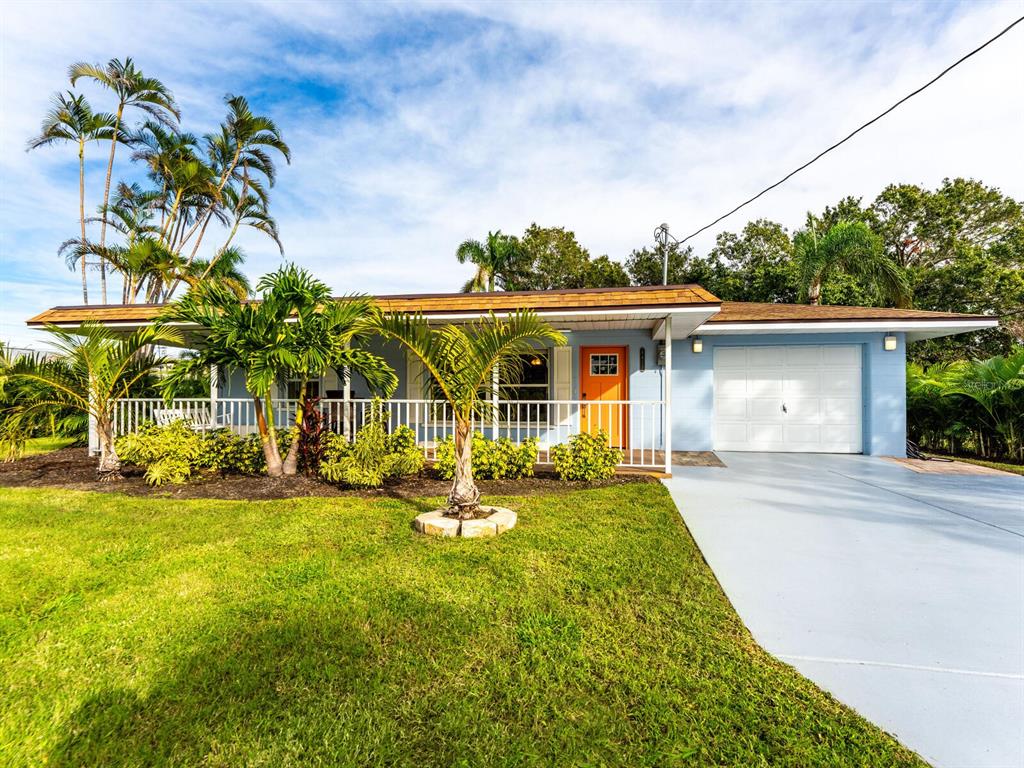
71,119
93,370
270,339
132,89
493,258
459,362
852,247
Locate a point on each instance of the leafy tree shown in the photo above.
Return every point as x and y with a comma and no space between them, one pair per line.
460,361
645,266
551,257
849,247
495,259
294,330
71,119
754,265
132,89
93,369
603,272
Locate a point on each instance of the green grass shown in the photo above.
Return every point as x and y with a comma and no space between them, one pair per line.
37,445
325,632
1017,469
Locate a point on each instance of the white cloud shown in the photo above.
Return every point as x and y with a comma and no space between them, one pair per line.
413,127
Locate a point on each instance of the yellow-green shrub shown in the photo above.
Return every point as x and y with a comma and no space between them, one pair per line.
499,459
585,457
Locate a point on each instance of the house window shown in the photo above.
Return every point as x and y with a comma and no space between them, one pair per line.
604,365
293,386
533,381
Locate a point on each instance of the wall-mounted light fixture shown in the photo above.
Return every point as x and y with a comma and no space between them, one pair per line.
643,359
697,345
889,342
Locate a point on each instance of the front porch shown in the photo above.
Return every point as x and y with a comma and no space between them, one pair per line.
637,427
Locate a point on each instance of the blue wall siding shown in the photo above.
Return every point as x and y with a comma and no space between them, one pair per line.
883,388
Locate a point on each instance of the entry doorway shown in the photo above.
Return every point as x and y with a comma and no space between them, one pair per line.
604,384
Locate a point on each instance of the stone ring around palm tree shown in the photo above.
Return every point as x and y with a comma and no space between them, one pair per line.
493,521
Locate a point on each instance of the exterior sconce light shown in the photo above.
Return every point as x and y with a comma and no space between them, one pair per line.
643,359
889,342
697,345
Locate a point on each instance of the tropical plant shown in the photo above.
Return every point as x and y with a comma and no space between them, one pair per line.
295,330
499,459
170,453
375,457
494,259
850,247
71,119
460,363
586,457
969,407
57,422
132,89
93,369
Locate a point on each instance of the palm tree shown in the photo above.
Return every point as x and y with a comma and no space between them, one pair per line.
493,258
997,385
93,370
133,89
293,329
72,119
852,247
460,362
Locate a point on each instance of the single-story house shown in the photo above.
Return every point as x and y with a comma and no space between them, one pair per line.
659,369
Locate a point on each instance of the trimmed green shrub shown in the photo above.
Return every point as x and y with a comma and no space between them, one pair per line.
226,452
585,457
499,459
373,458
170,454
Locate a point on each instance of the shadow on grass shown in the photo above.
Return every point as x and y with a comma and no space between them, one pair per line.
324,688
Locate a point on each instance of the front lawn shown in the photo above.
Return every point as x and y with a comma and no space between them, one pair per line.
139,631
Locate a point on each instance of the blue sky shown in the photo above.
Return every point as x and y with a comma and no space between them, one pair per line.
414,126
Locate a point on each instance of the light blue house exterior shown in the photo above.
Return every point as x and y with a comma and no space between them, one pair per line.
657,369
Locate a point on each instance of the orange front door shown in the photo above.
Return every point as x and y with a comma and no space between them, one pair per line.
604,383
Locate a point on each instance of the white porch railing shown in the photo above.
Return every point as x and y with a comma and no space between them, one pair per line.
636,426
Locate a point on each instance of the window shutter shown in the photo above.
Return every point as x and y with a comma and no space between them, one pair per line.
561,378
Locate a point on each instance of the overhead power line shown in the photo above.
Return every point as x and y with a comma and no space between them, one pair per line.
849,136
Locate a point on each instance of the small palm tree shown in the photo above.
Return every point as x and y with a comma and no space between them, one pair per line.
460,362
852,247
292,330
92,370
132,89
71,119
493,258
997,385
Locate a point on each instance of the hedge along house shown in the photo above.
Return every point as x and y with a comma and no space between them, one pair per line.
658,369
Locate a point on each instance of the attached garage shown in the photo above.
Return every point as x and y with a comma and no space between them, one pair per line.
800,398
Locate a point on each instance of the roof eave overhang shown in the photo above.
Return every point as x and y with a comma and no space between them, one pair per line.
916,330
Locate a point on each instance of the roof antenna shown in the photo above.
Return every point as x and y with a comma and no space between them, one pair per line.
661,237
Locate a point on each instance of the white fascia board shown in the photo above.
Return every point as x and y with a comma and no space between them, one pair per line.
640,312
935,327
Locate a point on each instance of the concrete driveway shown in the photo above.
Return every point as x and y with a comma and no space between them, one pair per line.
900,593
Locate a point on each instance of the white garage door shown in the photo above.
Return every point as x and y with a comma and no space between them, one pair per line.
798,398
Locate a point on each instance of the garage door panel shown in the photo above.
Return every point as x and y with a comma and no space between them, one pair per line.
802,382
843,356
765,409
803,411
731,408
819,385
730,357
841,382
764,382
803,356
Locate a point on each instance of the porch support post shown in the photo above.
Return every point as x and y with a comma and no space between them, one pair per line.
667,396
494,403
214,395
346,397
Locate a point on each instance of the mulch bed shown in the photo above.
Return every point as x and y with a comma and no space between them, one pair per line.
73,469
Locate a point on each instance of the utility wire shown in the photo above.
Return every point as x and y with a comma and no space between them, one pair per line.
875,119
